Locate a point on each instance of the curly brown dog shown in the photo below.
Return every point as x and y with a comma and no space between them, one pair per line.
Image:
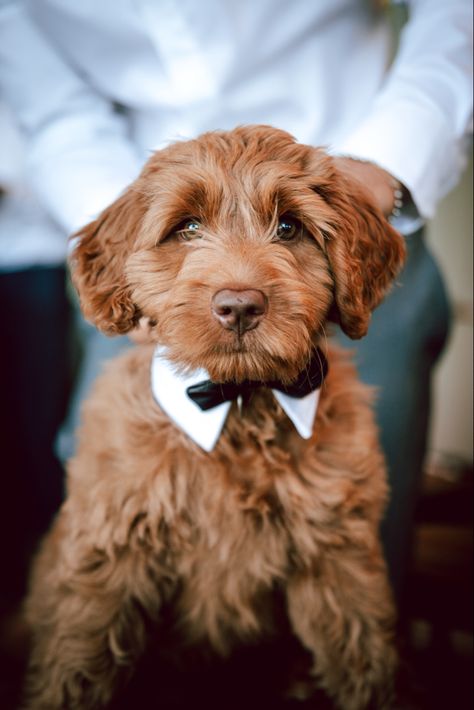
237,248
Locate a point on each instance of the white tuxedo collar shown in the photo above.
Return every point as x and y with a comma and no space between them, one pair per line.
204,427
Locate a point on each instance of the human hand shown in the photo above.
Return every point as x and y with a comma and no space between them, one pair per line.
380,184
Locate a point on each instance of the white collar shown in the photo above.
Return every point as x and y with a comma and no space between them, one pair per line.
204,427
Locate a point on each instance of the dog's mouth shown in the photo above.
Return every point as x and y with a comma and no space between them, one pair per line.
237,358
239,344
248,358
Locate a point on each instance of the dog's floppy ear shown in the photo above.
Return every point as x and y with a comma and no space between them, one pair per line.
98,261
364,251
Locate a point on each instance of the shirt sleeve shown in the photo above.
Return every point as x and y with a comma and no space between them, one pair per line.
79,156
418,126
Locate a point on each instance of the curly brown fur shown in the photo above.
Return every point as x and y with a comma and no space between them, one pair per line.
150,519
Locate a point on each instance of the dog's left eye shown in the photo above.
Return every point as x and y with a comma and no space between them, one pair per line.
189,230
288,228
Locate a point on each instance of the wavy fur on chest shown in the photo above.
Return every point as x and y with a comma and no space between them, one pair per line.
222,528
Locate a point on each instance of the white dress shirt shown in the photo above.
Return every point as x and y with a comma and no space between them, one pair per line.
318,69
28,235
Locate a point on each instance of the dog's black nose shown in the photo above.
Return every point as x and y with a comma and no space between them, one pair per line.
239,310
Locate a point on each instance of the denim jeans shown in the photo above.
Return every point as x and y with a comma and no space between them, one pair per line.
36,372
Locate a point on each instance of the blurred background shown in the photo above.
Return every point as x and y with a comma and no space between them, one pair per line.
450,237
441,590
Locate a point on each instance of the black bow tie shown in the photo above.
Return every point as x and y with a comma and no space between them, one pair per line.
208,394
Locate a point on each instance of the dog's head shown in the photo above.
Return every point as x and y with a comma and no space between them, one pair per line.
237,247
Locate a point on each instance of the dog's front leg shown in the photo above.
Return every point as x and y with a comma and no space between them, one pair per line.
88,625
345,617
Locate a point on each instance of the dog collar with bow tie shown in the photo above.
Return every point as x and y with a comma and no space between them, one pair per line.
200,407
208,394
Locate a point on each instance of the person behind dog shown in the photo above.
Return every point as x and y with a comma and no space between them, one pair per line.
97,86
36,364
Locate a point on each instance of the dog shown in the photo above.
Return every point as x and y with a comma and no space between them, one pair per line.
236,453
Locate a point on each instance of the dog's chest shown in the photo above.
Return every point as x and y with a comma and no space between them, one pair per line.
228,578
240,549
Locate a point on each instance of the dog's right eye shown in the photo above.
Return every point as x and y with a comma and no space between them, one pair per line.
190,229
288,228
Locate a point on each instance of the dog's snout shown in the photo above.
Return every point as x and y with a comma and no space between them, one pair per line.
239,310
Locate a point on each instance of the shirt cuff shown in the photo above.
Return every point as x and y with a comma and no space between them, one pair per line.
411,142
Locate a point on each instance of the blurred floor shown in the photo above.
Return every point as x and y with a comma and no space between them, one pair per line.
438,657
440,593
